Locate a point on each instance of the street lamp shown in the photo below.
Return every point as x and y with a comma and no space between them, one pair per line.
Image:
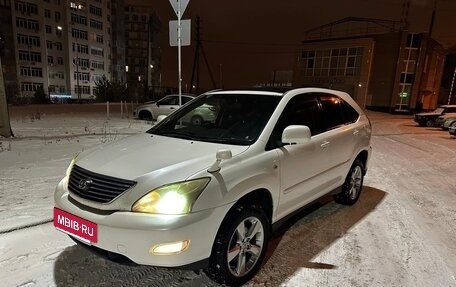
78,87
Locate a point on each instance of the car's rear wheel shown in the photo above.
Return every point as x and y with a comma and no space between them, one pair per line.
145,115
351,189
240,246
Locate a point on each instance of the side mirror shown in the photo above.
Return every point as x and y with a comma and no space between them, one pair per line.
295,134
160,118
222,154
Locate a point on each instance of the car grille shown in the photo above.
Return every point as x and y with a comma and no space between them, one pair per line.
96,187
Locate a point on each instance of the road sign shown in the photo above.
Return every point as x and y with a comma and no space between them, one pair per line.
175,4
174,33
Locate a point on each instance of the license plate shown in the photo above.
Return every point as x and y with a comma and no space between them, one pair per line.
76,226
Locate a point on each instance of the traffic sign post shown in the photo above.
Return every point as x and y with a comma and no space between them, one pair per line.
179,8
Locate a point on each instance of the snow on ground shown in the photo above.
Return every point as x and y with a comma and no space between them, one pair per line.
402,232
46,139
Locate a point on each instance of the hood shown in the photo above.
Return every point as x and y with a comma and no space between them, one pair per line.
138,155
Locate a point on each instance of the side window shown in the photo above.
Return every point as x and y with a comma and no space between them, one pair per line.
350,114
169,101
332,111
300,110
186,100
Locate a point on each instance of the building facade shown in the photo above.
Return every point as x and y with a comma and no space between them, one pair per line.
143,53
118,47
379,64
64,47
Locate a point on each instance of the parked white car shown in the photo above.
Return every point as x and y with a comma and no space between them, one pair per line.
209,195
151,110
445,121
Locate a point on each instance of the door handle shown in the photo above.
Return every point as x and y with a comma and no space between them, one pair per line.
171,108
325,144
355,132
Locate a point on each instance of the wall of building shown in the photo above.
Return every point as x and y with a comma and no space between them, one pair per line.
383,71
433,63
397,69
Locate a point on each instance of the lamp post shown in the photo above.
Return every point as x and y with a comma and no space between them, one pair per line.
78,88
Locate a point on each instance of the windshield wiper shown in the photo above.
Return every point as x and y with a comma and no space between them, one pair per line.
232,141
175,134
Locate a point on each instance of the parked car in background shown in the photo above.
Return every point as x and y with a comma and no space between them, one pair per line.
165,106
445,121
428,119
208,195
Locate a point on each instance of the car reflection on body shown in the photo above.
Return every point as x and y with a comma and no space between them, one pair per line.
208,194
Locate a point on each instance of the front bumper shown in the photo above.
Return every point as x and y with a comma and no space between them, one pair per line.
133,234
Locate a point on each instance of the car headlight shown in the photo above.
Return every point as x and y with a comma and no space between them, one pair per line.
175,198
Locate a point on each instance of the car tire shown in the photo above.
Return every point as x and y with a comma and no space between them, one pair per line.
430,123
245,231
351,189
145,115
196,120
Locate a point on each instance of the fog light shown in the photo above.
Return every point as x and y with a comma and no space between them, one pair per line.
170,248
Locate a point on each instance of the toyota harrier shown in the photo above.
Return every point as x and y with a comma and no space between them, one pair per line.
209,193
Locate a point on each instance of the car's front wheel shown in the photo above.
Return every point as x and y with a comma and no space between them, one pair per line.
240,246
351,189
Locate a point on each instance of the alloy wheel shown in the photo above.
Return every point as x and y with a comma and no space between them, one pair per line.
245,246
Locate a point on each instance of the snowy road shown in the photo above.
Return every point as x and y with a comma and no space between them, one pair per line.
402,232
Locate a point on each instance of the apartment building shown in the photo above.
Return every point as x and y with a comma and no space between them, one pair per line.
143,52
61,46
65,46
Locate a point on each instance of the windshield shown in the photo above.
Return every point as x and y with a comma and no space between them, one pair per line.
236,119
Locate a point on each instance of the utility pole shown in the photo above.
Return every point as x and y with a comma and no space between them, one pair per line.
77,60
431,25
146,85
452,86
199,47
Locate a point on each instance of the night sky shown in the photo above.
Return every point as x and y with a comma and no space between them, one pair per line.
246,40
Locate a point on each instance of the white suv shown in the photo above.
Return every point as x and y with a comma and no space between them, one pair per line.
209,194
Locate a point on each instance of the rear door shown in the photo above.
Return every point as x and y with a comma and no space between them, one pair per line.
342,132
